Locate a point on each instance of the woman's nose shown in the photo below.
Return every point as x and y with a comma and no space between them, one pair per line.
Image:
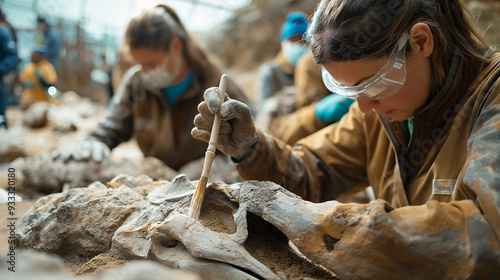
366,104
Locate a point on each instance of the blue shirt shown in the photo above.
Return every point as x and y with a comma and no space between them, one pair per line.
172,93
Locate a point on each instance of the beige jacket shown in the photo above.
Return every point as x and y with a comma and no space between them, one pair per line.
162,130
425,226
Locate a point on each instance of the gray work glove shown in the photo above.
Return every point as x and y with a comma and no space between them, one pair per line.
85,150
237,134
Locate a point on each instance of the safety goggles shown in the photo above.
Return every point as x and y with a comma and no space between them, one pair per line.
387,81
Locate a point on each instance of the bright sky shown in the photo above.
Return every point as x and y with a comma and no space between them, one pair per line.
115,13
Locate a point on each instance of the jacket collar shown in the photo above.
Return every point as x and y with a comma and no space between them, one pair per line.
446,86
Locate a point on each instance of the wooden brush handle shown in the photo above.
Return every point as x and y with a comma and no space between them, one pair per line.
214,135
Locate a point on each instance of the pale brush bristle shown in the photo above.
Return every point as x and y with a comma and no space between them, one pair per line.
197,200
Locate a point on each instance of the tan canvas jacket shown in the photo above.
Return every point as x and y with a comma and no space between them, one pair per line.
423,225
162,130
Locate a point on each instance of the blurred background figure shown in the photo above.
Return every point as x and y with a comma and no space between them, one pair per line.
37,77
293,100
156,100
102,75
278,73
49,37
8,61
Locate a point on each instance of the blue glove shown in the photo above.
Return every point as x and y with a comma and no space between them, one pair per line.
331,108
28,84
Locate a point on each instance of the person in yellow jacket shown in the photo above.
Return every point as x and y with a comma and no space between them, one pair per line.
37,77
424,133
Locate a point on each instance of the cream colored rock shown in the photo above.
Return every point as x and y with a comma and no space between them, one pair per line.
11,145
36,115
43,266
42,174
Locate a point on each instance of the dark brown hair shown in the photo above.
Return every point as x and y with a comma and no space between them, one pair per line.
354,29
155,28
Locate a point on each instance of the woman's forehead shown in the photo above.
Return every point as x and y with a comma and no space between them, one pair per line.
145,53
351,72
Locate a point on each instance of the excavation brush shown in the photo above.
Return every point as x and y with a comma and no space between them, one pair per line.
199,193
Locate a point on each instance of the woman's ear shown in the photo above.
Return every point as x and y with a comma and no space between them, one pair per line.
421,40
176,45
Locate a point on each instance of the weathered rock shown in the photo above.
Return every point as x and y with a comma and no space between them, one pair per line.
146,270
148,220
65,127
83,107
33,265
43,266
36,115
77,223
42,174
11,145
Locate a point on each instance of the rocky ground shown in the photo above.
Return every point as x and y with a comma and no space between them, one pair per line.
23,141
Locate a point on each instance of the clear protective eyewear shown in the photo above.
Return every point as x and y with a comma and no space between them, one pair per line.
388,80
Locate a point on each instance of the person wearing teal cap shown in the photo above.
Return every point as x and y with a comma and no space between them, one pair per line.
278,73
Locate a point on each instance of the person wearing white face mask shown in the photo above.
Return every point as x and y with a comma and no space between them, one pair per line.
278,73
160,77
157,99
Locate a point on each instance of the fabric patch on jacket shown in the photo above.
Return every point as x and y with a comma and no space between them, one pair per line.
443,186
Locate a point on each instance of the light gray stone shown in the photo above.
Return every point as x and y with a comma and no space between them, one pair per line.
43,266
36,115
11,145
42,174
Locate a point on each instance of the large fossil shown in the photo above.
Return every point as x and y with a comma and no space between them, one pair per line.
137,218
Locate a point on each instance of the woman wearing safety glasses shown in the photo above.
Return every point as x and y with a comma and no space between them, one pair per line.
424,133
